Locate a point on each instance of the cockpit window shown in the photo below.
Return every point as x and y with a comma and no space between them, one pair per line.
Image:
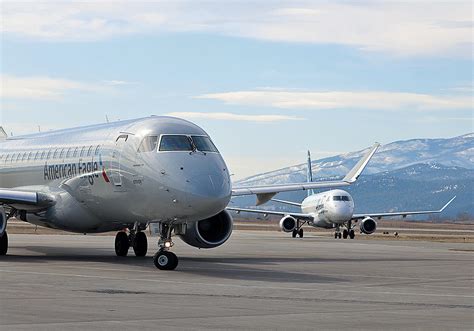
148,144
341,198
172,143
204,144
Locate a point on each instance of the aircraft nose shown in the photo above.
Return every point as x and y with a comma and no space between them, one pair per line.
341,212
209,194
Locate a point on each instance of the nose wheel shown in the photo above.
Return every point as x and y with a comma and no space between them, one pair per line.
348,232
164,259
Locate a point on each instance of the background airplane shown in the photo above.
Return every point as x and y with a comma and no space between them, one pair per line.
125,175
328,210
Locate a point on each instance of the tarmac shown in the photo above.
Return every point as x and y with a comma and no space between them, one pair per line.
257,280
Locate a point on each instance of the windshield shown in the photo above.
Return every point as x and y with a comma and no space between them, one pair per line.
341,198
204,144
171,143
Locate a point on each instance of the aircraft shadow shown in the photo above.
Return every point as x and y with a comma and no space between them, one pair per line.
233,268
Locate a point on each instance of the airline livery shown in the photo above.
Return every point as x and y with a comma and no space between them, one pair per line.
124,176
332,209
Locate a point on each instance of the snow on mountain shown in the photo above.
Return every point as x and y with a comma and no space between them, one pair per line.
452,152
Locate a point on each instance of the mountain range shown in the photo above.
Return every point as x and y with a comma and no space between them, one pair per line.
403,175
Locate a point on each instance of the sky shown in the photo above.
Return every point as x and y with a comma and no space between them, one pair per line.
267,80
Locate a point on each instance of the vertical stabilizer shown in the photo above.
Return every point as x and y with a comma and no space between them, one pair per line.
3,134
310,173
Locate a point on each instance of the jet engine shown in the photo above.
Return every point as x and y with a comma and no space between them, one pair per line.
288,223
3,221
368,225
210,232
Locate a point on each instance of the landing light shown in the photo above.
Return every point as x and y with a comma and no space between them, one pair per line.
168,244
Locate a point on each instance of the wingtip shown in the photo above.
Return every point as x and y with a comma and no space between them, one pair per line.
448,203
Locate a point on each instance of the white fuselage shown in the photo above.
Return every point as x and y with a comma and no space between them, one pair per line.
329,209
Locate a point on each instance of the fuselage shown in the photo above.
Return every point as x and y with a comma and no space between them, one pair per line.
329,209
106,177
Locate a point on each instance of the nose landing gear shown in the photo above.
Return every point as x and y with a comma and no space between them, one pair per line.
164,259
348,232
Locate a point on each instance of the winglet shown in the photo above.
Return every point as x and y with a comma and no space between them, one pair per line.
447,204
355,172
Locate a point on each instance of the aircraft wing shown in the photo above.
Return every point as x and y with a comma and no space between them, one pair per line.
401,213
266,193
26,199
271,212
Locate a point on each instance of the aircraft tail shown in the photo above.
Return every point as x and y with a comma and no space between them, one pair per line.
3,134
309,173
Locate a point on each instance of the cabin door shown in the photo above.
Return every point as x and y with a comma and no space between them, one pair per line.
115,164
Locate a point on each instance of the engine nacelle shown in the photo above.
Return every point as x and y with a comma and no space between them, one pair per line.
209,233
368,225
3,221
288,223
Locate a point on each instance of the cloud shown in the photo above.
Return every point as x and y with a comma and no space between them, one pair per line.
235,117
44,87
401,28
380,100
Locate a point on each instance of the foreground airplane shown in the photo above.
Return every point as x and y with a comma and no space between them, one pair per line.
330,209
125,176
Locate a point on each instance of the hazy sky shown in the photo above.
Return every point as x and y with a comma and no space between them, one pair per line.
268,80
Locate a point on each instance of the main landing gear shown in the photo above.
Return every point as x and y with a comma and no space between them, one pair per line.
164,259
135,239
298,231
4,243
347,232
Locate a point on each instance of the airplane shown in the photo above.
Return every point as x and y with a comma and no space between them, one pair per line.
332,209
124,176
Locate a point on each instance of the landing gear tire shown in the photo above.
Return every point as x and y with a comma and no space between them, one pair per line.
339,235
345,233
165,260
4,243
301,233
294,233
335,235
140,244
352,234
122,244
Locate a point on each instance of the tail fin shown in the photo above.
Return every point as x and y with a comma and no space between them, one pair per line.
3,134
309,173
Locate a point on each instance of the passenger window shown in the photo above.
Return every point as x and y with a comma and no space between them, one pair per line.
43,153
7,158
25,156
61,154
68,153
172,143
148,144
75,152
204,144
49,154
97,150
55,155
83,150
89,151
